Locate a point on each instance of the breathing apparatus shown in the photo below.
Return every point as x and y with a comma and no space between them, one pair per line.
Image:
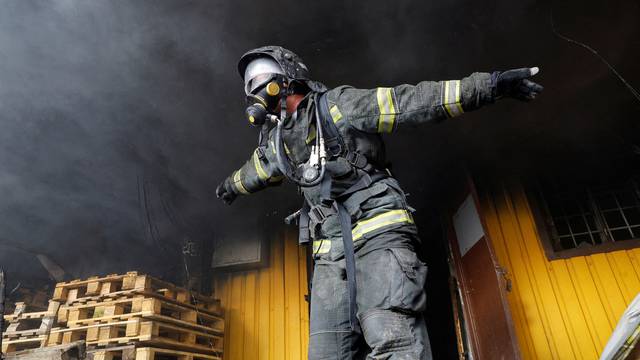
311,172
267,85
264,99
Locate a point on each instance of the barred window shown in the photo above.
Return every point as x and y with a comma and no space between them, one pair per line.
593,217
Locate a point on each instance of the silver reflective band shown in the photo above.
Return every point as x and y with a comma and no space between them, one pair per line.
237,182
336,115
321,246
452,98
385,97
312,134
260,66
262,175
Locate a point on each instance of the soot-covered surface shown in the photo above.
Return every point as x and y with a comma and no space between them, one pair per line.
117,119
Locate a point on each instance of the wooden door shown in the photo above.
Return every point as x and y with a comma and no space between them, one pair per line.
481,283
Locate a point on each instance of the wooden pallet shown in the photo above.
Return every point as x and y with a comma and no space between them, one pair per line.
28,330
73,351
24,343
22,311
78,290
141,306
146,353
142,332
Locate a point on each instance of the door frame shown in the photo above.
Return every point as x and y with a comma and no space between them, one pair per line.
460,285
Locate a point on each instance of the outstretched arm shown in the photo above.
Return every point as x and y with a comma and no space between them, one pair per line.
256,174
383,110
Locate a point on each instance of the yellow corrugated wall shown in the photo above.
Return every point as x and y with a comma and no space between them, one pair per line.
562,309
266,315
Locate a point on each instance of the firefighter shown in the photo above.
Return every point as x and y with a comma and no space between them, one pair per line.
368,283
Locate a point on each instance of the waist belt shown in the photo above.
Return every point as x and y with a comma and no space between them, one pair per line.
317,214
366,226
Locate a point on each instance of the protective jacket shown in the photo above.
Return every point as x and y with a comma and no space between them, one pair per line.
361,116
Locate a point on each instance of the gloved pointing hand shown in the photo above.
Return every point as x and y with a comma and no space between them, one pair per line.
515,83
225,192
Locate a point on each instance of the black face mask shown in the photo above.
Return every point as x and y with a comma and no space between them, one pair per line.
264,100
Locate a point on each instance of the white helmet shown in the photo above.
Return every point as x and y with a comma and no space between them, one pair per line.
259,71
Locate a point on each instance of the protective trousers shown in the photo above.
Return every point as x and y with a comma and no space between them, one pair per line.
390,302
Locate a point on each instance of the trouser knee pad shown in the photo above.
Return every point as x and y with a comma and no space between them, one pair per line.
387,331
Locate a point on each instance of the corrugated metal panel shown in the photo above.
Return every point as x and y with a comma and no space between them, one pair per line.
562,309
266,314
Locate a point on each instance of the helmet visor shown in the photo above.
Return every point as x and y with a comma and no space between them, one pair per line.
258,70
257,82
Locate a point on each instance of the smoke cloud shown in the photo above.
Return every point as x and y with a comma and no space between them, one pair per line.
119,118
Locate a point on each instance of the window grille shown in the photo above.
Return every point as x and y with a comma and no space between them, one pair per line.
591,216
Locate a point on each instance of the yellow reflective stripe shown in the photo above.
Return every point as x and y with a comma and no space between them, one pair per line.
452,98
237,182
258,165
273,148
312,134
387,109
336,115
321,246
388,218
363,227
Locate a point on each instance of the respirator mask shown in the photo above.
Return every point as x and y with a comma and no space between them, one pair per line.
267,88
264,98
264,85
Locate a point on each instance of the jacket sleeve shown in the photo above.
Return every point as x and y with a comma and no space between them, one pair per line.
384,109
259,172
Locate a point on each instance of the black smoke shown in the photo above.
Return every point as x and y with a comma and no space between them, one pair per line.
119,118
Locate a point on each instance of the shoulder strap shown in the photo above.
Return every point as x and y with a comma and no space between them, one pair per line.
263,138
332,138
336,147
350,265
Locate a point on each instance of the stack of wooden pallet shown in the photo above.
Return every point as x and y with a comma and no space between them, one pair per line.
136,316
27,328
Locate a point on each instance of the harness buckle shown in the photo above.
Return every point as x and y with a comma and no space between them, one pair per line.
334,146
319,213
356,159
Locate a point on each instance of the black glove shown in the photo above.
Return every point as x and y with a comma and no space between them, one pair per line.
515,83
225,192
